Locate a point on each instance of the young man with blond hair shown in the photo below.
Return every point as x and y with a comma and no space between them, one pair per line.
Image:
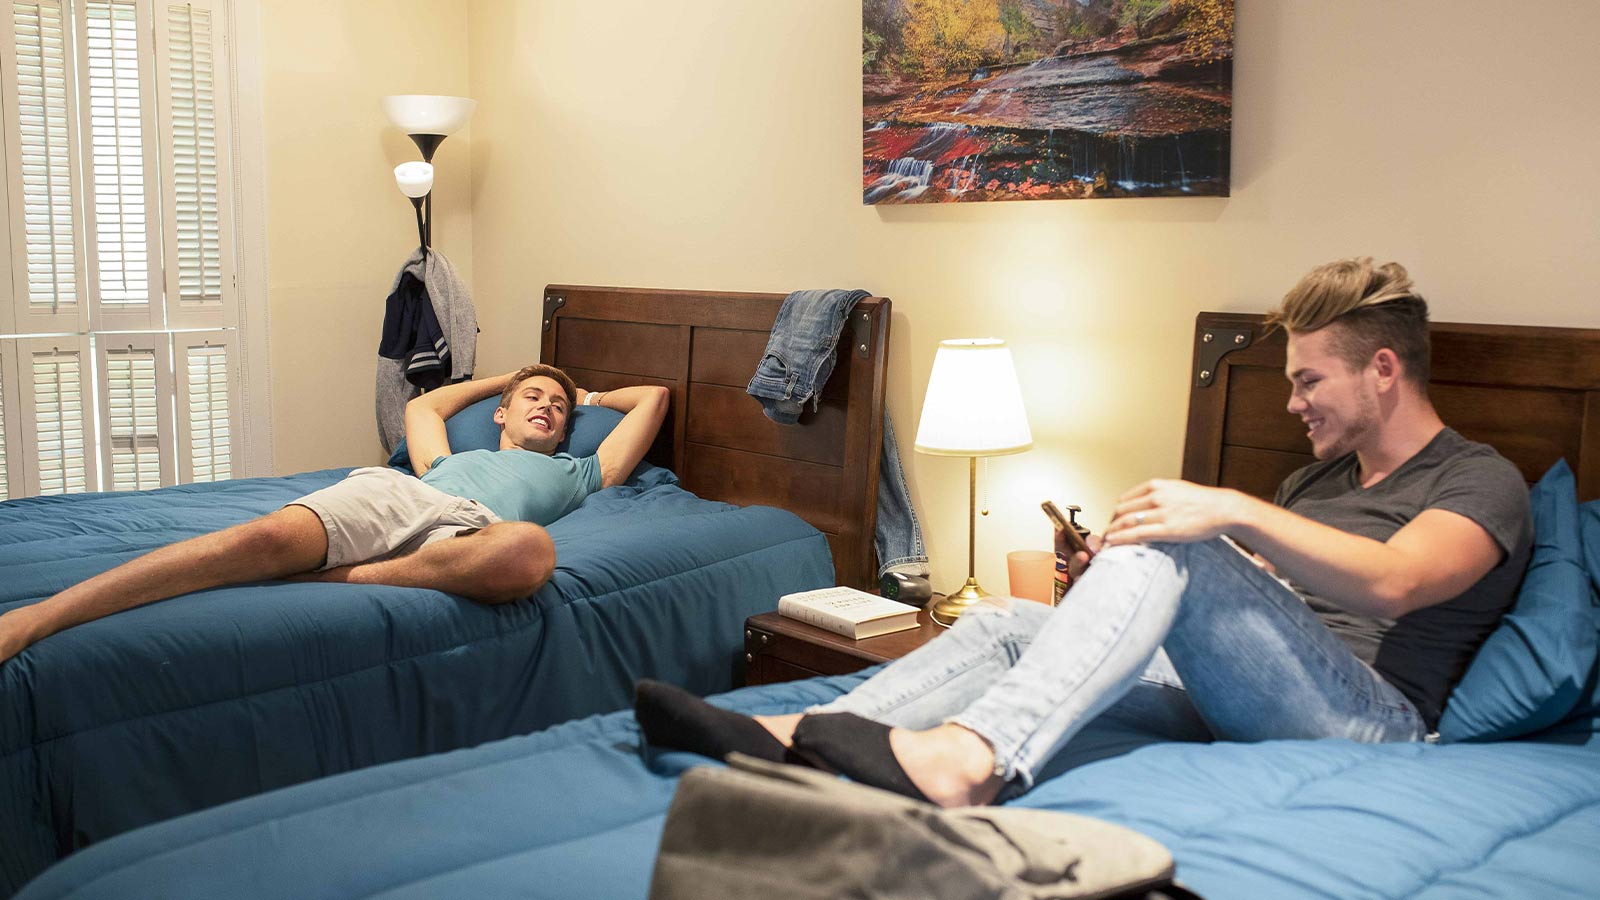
468,523
1378,571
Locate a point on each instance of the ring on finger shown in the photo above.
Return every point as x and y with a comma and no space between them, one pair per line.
1138,518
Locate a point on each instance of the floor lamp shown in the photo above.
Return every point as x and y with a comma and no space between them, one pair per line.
427,119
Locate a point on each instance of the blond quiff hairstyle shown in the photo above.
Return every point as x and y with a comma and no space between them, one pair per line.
537,369
1375,307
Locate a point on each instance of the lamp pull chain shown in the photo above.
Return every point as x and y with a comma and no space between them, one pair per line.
985,509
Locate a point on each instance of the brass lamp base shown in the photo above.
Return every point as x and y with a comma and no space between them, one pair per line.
948,610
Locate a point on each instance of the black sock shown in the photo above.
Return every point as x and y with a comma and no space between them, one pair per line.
855,747
674,718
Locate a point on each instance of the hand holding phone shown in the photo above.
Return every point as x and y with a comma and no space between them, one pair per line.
1068,530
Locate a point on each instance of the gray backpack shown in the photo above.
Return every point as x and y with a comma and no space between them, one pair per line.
765,831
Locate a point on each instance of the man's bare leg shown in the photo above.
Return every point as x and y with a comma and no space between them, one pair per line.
282,543
501,563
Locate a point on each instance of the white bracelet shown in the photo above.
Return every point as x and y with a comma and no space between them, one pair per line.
592,398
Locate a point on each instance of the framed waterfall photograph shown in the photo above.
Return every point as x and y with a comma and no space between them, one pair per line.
973,100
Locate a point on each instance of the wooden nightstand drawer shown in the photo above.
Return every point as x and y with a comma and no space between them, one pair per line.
777,648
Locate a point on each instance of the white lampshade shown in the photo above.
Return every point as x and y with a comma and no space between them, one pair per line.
415,179
428,113
974,404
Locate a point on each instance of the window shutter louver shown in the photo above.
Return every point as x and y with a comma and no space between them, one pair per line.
195,160
41,126
137,439
207,415
123,233
10,471
8,287
56,394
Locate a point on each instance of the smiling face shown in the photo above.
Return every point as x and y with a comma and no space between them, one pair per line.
535,416
1338,404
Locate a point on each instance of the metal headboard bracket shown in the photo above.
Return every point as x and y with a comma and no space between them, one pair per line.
861,332
552,302
1215,343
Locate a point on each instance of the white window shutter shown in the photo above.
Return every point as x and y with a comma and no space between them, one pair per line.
55,403
191,66
122,366
40,89
137,439
8,287
207,366
11,464
117,96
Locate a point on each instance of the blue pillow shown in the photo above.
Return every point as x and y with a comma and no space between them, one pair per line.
1589,535
1587,713
474,429
1533,668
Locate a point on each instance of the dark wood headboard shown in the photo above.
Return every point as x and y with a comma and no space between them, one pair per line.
1532,393
704,346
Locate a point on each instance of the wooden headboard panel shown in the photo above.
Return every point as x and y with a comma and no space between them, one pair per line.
1532,393
704,346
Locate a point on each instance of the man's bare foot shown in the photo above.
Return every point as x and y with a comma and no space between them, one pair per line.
782,727
949,764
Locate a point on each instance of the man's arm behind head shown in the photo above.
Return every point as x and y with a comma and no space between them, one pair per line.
645,407
426,438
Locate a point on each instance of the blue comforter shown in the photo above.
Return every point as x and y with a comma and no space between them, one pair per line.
575,812
206,698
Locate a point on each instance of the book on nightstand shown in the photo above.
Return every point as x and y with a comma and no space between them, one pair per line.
847,611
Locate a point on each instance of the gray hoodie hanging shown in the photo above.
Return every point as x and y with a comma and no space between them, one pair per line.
452,306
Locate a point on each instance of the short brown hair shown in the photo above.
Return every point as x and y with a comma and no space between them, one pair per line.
1376,305
550,372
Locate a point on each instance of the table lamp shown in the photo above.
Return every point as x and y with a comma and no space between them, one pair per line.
973,408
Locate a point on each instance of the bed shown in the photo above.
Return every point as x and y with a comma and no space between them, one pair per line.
576,811
184,704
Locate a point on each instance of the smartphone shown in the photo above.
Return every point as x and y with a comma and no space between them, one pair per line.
1074,539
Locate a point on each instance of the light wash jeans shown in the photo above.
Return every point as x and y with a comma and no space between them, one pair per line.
898,536
801,352
1193,641
800,355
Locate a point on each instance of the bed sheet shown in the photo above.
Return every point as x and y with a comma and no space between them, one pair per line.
576,812
184,704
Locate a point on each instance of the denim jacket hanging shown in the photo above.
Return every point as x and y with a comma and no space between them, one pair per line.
800,355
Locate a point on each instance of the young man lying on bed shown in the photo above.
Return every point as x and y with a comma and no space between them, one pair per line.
472,524
1401,546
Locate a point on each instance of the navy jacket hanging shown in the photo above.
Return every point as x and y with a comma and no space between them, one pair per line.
411,333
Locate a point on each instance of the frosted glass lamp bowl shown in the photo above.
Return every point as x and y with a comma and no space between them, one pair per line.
415,179
428,113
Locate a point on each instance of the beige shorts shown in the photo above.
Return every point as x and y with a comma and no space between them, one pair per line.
378,513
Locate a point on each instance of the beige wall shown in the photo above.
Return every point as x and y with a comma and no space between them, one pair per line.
337,229
715,144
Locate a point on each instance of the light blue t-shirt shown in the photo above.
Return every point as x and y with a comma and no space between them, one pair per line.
518,485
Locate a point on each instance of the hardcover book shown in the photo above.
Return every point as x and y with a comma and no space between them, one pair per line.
847,611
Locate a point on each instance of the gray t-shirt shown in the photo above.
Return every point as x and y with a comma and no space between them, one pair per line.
1425,652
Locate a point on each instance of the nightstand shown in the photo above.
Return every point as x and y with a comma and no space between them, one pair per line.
777,648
